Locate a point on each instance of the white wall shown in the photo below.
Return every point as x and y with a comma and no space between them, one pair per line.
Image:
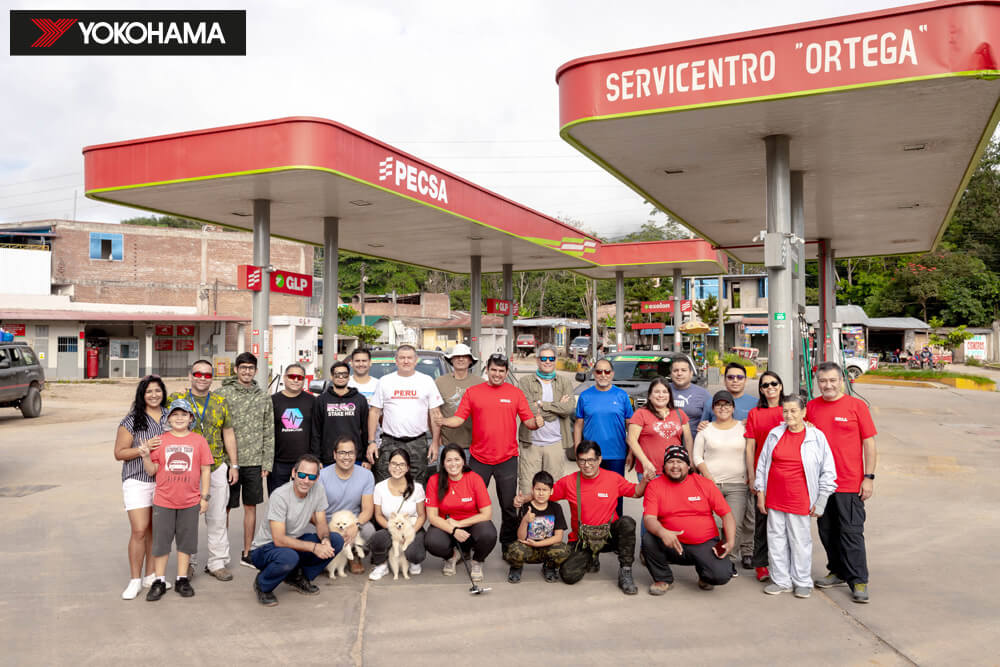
25,271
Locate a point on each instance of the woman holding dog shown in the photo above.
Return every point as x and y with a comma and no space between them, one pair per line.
143,424
460,512
398,494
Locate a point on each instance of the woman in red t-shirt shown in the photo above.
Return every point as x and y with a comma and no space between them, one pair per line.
760,421
656,426
460,513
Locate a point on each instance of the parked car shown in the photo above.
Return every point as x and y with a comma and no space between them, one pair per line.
429,362
579,345
526,343
21,379
635,370
855,367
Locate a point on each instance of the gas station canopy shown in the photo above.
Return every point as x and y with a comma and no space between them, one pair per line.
647,259
886,114
390,204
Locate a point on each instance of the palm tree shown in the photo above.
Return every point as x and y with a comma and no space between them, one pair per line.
707,310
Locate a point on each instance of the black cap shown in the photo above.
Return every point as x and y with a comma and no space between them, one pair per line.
723,396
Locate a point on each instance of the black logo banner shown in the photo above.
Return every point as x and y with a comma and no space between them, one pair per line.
113,33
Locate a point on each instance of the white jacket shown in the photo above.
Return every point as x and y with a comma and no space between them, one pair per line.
817,462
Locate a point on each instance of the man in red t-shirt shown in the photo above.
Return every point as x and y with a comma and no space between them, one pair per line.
600,490
495,407
850,431
680,529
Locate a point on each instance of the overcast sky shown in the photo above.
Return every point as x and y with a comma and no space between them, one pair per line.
468,86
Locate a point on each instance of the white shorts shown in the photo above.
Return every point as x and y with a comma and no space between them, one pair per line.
137,494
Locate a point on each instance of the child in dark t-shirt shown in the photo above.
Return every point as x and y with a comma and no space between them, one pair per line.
539,533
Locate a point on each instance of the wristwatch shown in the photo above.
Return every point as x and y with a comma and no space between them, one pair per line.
206,498
870,476
372,442
234,466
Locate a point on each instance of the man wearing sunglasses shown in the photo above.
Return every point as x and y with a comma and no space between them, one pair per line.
550,396
292,425
339,411
213,420
294,545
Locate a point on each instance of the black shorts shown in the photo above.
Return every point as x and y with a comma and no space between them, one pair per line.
180,525
251,484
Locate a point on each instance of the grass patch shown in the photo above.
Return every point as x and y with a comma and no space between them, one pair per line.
927,375
84,381
730,358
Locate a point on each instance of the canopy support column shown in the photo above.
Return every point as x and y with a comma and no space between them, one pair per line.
677,312
722,317
331,289
825,345
508,319
777,259
798,283
260,318
593,325
619,311
476,305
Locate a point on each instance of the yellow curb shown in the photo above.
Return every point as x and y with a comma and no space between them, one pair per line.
894,382
962,383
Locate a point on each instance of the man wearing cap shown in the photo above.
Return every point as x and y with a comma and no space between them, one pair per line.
452,387
294,544
550,396
495,406
213,421
253,423
405,400
847,424
678,513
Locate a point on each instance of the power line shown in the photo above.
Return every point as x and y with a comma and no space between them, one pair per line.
47,178
35,192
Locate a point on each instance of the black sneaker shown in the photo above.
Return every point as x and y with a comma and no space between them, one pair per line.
514,575
246,562
297,580
183,587
625,581
747,562
156,591
266,598
735,572
595,564
550,573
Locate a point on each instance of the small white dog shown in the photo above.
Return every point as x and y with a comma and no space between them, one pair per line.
339,523
402,532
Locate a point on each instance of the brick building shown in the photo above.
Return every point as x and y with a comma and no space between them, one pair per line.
148,299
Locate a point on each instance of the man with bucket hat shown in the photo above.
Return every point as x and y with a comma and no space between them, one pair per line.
452,387
680,528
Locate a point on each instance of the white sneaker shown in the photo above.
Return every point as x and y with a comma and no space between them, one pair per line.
148,580
379,572
132,590
477,572
415,568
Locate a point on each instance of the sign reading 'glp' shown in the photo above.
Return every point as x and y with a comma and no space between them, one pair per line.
285,282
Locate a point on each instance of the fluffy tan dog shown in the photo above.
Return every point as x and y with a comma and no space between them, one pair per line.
402,532
339,523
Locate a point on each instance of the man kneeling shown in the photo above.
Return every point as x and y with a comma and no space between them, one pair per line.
680,529
282,549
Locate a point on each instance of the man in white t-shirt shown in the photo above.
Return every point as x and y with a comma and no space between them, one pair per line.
361,363
405,401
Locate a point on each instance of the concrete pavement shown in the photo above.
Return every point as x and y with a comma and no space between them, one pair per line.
932,537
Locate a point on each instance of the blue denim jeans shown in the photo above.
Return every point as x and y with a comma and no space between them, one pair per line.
276,563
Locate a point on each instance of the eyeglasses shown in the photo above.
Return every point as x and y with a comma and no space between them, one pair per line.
246,367
344,452
546,358
766,385
341,375
295,376
201,376
305,475
723,405
587,462
736,377
398,465
601,371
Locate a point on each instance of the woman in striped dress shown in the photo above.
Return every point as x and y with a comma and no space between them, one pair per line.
143,423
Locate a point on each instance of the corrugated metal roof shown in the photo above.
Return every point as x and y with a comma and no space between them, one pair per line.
897,323
552,322
843,314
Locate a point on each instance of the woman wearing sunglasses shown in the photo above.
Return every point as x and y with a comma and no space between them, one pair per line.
143,424
766,416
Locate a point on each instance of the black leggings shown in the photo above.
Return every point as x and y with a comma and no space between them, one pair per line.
505,474
381,542
482,540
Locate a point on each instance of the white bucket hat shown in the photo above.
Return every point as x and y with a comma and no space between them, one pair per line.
461,350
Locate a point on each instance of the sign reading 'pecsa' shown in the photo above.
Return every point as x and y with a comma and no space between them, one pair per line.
284,282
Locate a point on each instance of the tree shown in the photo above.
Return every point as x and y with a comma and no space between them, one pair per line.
707,310
163,221
951,340
975,225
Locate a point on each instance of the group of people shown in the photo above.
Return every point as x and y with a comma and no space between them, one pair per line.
426,449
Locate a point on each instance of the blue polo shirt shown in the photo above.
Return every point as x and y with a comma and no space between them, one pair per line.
604,414
744,404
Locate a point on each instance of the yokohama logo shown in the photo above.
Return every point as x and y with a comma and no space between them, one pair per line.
51,31
413,178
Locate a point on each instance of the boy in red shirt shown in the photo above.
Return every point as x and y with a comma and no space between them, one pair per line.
184,464
680,529
795,475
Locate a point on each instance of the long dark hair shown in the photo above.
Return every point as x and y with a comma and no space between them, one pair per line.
140,421
762,403
660,381
399,451
442,473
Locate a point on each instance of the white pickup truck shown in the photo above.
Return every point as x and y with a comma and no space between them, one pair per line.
855,366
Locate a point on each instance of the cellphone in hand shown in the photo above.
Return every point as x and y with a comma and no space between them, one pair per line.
719,549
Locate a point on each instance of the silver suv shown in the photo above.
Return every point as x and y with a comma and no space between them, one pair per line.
21,379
